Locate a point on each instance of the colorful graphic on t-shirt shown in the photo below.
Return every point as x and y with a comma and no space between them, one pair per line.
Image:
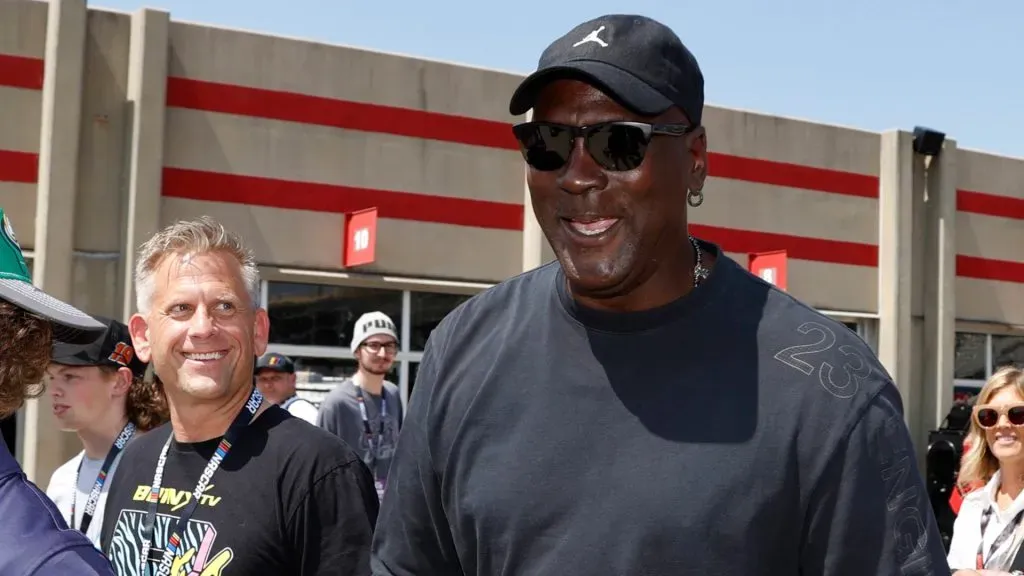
196,556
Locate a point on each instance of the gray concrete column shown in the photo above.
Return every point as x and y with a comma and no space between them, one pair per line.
938,206
147,89
42,444
895,270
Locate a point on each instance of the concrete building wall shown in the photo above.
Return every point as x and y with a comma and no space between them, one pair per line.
283,146
990,238
279,138
22,45
811,189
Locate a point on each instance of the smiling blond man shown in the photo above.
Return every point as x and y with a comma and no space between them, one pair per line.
233,485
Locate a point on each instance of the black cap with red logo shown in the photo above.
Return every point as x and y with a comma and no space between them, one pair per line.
113,348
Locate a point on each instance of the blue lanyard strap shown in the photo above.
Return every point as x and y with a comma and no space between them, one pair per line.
94,495
232,436
366,420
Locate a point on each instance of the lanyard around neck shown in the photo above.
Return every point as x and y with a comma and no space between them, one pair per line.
238,426
986,515
101,478
366,420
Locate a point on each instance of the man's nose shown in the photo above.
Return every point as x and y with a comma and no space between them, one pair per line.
202,325
581,173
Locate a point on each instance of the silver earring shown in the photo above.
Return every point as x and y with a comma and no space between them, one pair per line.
695,198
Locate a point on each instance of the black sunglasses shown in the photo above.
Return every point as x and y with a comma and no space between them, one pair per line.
615,146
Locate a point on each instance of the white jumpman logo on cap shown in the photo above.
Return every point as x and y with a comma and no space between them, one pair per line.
592,37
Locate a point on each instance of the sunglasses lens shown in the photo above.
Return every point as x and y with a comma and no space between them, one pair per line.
618,147
988,417
1016,415
544,147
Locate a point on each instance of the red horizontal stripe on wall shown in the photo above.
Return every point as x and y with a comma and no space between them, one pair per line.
989,269
798,247
321,111
305,109
215,187
791,175
990,204
19,167
21,72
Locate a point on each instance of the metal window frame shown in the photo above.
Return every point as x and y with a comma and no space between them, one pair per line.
406,286
989,331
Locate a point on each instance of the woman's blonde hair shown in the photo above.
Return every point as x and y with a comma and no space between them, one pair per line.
979,464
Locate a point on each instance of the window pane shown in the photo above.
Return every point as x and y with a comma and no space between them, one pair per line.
1007,350
323,315
428,309
969,361
318,376
414,368
963,392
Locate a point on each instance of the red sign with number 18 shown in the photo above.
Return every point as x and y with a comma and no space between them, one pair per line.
360,237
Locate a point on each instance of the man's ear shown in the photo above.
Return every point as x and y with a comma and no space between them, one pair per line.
261,332
123,382
139,329
699,154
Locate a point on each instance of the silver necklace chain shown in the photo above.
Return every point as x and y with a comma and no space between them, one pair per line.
700,272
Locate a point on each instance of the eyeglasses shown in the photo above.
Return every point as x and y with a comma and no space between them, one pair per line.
987,416
615,146
375,347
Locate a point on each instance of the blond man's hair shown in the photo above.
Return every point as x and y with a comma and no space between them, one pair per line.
191,238
979,464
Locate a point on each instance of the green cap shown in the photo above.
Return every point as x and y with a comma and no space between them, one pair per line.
12,261
70,324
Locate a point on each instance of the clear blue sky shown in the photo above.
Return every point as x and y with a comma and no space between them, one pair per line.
871,64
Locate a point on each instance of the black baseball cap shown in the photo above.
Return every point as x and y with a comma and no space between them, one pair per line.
275,362
638,61
113,347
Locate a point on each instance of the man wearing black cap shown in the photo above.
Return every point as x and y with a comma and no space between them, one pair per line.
98,392
275,376
644,405
34,539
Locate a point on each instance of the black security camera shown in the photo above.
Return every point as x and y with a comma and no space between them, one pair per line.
927,141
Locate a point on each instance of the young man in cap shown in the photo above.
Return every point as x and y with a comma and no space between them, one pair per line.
98,391
275,375
366,410
644,405
34,539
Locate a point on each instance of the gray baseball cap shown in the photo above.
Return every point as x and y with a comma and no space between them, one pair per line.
70,324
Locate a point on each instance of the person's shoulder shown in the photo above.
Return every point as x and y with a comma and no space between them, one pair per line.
392,388
500,302
302,442
68,468
339,393
814,367
34,520
813,350
148,442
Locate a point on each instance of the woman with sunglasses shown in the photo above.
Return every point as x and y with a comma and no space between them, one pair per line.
988,531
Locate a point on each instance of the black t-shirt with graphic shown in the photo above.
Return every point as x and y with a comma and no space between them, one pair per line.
289,498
